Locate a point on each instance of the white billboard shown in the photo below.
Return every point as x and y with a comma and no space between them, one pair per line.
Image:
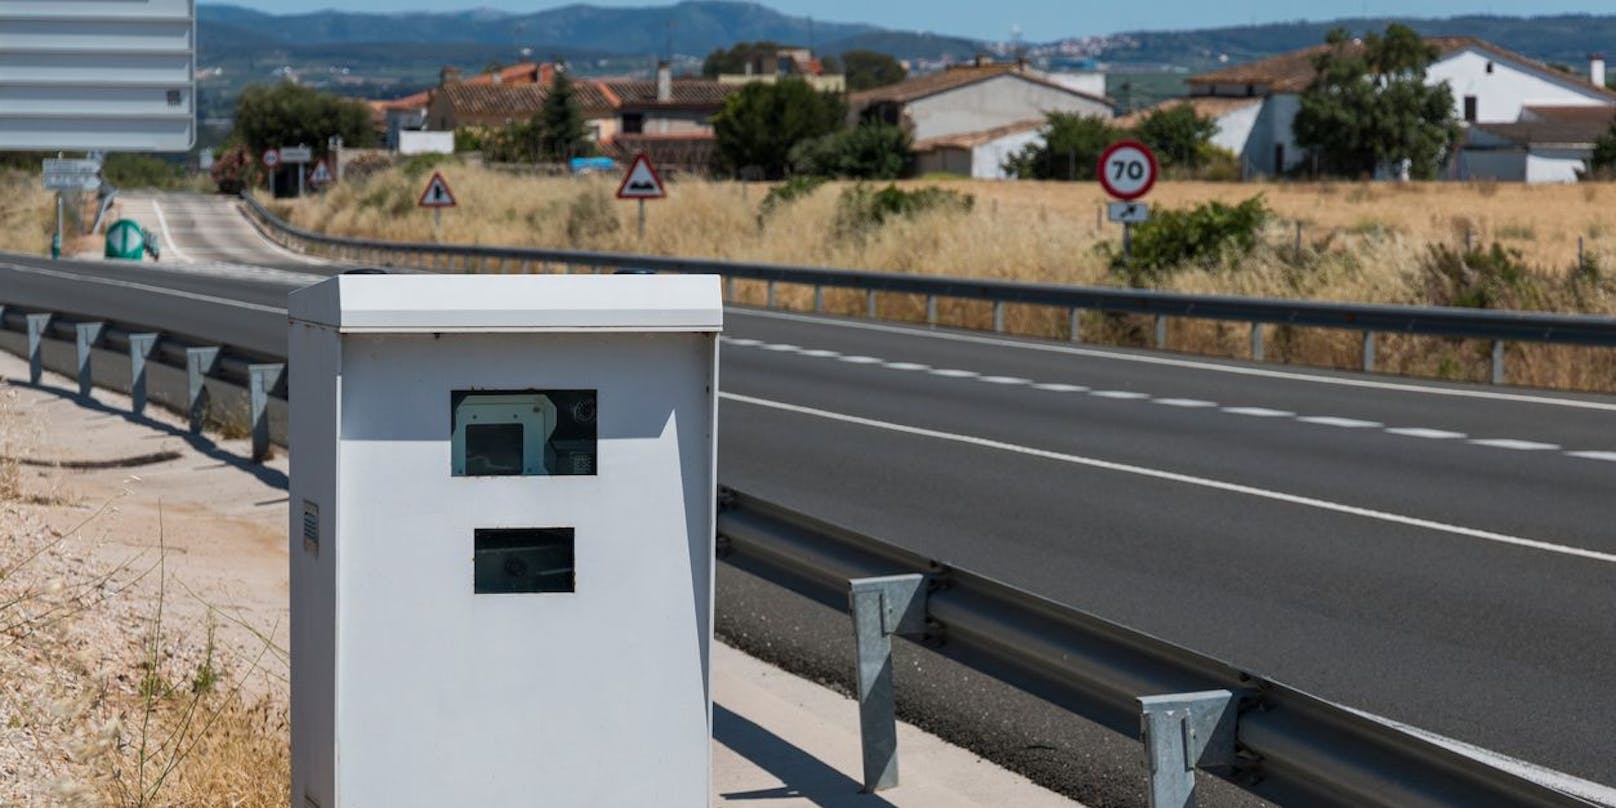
113,75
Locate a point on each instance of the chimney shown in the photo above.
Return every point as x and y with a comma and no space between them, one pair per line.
1596,69
449,75
664,82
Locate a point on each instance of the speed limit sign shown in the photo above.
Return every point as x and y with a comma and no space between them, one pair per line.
1128,170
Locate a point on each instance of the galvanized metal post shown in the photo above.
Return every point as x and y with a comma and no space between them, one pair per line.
1077,325
86,337
882,607
1161,332
199,362
261,381
768,298
1498,361
37,323
1369,351
998,316
140,349
931,310
729,288
1181,732
819,299
1256,342
872,305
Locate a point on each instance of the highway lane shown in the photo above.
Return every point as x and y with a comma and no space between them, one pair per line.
1405,599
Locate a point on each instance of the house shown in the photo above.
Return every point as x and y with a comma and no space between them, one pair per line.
410,112
796,63
979,155
1491,86
973,99
1237,117
1547,144
481,106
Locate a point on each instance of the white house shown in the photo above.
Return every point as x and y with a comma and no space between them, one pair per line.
973,99
979,155
1491,86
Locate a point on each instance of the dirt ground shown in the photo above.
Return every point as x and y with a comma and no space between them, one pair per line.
142,599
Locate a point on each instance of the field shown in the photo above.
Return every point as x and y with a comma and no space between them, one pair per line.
1359,242
26,216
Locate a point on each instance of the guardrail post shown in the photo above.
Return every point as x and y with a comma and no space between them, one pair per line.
768,299
1077,325
1183,731
262,380
1498,361
819,299
998,316
37,323
931,310
882,607
872,305
1369,351
140,349
86,337
729,288
1161,332
199,362
1256,342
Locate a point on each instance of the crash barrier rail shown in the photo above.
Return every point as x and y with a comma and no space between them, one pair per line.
1500,327
1190,711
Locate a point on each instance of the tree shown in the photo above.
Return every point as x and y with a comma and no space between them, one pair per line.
869,151
1070,149
760,125
561,122
269,117
1370,108
868,69
1179,136
1602,164
734,60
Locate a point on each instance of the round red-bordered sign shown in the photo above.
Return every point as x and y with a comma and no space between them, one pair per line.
1128,170
272,158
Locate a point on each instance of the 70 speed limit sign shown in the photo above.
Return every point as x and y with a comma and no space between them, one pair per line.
1128,170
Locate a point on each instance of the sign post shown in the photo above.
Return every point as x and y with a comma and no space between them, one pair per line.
320,177
642,183
437,196
68,175
299,156
272,161
1127,171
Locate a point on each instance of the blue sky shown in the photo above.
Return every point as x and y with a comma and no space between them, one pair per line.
1041,19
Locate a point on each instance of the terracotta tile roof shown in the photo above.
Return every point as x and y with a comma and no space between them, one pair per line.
1292,72
481,104
1548,133
524,73
694,93
1568,114
970,140
1205,106
953,78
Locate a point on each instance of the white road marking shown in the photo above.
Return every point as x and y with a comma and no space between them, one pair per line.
954,373
180,293
1259,412
780,347
1609,457
1062,388
1186,403
822,354
1005,380
1344,423
862,360
1428,434
1517,445
168,236
1238,370
742,342
1186,479
908,366
1119,395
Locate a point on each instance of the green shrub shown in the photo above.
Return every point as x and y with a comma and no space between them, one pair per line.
788,192
1494,278
861,209
870,151
1200,236
590,214
143,171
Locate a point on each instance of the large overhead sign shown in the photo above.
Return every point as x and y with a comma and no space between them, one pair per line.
111,75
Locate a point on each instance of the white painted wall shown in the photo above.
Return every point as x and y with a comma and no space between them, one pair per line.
987,160
1500,95
1555,165
1274,126
423,142
1090,82
999,101
1234,128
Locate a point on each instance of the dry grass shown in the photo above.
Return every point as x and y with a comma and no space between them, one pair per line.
27,214
1360,243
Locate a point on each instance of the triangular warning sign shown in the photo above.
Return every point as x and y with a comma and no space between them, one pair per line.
437,194
321,175
642,181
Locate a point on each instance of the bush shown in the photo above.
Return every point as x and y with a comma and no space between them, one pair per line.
786,193
1070,150
590,214
861,209
870,151
762,123
1203,235
1494,278
142,171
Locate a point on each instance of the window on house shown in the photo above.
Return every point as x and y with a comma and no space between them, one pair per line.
1251,90
1279,158
1470,109
1489,68
633,123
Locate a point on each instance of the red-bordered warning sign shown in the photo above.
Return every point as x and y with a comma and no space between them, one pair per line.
437,193
642,181
321,174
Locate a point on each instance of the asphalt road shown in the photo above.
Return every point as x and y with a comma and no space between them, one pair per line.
1441,555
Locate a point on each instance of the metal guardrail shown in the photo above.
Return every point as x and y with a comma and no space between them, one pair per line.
1192,711
1500,327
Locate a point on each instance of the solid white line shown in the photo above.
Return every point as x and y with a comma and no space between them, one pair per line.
241,216
1517,445
1344,423
1186,403
1203,482
1259,412
223,301
1238,370
168,236
1609,457
1428,434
